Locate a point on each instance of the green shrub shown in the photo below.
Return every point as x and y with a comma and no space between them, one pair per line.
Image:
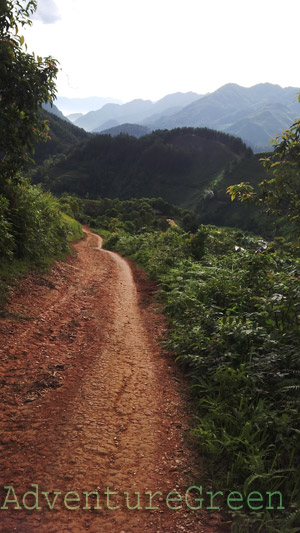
111,241
6,237
37,224
197,243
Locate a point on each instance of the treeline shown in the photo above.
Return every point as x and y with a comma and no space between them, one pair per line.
133,216
234,143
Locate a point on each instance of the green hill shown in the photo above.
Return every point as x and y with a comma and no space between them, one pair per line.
177,165
188,167
136,130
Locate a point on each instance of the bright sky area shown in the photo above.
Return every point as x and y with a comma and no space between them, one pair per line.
146,49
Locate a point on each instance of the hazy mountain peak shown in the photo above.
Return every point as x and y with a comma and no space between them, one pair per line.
229,108
83,105
230,87
240,111
52,108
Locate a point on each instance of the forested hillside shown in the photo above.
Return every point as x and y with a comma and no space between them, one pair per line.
177,165
62,135
189,167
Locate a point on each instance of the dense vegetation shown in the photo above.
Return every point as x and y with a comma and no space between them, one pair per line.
279,192
133,215
191,168
33,231
32,228
216,207
177,165
233,306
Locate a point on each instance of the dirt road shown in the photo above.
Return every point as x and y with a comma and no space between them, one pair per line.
90,404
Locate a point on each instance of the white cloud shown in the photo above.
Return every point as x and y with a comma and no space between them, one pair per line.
148,48
47,12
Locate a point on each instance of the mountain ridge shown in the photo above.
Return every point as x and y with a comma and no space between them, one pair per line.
218,111
70,105
134,111
255,113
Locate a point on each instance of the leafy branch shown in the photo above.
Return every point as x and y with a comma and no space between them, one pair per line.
280,193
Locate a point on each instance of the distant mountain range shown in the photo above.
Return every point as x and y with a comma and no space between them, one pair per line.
135,112
255,114
83,105
74,116
51,108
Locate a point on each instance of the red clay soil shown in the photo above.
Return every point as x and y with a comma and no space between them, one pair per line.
89,401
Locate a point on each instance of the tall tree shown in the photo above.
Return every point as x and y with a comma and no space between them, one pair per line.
26,81
280,192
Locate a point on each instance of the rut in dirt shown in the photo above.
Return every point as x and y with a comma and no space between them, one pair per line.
89,402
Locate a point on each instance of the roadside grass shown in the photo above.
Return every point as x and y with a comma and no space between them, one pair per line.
102,232
16,268
75,232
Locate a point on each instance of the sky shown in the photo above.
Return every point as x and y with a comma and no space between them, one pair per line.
129,49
